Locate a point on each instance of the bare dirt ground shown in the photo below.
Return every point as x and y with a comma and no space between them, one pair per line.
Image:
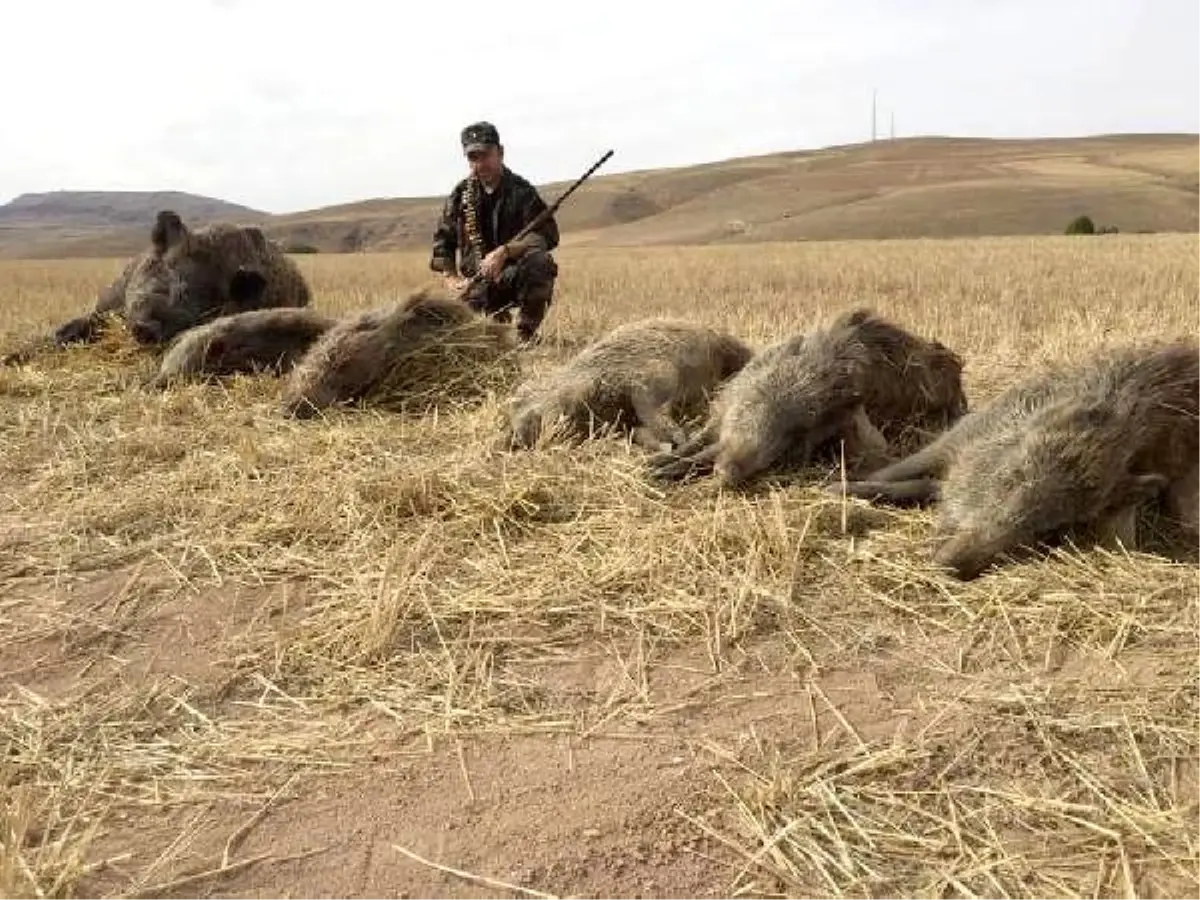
365,656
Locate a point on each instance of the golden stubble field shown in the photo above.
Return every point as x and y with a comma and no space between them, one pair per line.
364,656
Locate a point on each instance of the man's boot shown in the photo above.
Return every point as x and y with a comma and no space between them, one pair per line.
532,311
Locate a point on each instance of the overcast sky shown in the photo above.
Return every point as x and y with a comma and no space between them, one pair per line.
285,105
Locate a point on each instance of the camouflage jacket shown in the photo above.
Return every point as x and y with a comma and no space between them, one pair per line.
516,203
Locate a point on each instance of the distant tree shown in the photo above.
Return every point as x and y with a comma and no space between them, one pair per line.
1081,225
300,248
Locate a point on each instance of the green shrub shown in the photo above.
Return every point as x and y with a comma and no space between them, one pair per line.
1081,225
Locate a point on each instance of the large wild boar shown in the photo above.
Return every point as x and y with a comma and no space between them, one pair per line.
258,341
858,381
186,278
641,377
424,346
1073,451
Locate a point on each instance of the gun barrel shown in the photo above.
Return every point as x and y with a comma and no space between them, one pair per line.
581,179
553,207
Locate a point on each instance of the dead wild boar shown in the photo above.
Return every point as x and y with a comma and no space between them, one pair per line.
642,378
423,345
856,381
185,278
258,341
1071,452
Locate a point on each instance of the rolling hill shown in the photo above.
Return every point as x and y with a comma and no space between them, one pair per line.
914,187
100,219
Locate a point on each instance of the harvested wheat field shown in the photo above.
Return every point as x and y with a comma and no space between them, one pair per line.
364,655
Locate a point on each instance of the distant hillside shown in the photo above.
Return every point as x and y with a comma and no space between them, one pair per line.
915,187
114,208
108,221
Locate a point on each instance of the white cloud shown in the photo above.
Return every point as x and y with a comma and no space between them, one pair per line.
289,105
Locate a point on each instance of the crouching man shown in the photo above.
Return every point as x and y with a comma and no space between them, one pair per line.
479,223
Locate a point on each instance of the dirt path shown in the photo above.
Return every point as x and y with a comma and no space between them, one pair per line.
617,807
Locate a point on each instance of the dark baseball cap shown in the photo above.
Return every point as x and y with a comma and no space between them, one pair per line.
479,136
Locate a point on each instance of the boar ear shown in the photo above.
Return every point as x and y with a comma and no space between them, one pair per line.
858,316
257,238
246,287
168,231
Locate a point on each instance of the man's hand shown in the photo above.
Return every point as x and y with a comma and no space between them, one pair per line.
493,263
457,286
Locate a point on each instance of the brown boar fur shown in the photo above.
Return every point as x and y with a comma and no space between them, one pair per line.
856,381
424,345
197,280
915,479
1073,452
260,340
642,378
915,388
